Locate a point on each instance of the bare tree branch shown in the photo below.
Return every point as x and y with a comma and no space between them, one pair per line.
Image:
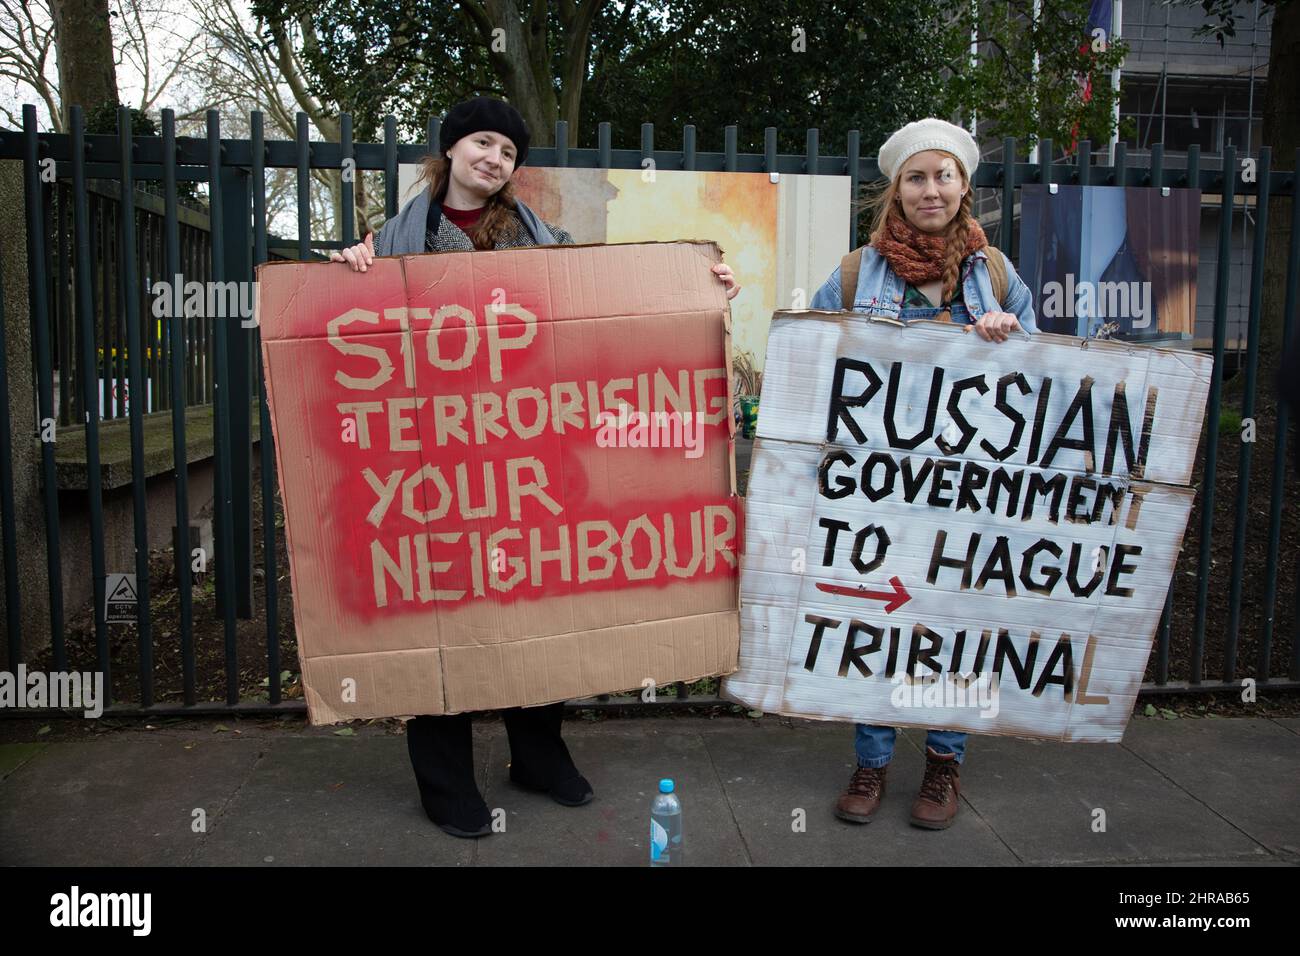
292,73
25,54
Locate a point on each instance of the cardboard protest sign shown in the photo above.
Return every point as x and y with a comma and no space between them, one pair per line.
945,532
507,476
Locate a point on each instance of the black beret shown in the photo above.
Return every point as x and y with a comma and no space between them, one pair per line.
485,113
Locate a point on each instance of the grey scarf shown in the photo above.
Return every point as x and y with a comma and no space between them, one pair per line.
404,234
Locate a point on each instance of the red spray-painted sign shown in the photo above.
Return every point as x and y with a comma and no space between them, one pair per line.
496,427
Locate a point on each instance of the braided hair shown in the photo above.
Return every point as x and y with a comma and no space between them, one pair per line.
955,251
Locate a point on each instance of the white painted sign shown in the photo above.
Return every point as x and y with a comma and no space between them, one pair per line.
946,532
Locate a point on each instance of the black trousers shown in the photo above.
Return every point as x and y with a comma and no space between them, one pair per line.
442,753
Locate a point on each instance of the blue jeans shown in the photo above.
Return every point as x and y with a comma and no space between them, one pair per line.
875,745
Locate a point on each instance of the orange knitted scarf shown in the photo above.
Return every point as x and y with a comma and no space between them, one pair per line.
918,256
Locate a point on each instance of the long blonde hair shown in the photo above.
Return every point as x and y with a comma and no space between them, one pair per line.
498,214
886,207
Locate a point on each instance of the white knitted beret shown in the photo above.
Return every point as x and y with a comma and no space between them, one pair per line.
928,134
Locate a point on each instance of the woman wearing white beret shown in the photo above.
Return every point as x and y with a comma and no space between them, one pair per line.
928,258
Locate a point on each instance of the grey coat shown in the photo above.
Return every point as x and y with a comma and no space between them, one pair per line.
405,234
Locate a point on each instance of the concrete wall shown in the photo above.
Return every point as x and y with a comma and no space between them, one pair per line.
29,514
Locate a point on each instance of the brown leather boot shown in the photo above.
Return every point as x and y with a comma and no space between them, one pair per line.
860,801
936,804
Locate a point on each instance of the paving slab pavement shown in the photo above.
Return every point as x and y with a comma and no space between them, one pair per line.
754,792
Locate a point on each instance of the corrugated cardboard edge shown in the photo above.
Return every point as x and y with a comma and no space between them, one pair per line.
288,538
1110,345
420,696
280,263
1190,492
738,502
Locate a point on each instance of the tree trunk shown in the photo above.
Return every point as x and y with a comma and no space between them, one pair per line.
84,42
577,41
361,202
1282,133
514,66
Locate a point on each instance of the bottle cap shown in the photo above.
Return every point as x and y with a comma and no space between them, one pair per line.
665,785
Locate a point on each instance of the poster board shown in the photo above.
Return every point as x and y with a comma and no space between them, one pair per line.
473,520
951,533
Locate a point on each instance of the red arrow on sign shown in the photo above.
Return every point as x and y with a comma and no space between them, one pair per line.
894,599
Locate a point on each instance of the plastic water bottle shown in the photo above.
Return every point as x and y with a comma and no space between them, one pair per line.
666,846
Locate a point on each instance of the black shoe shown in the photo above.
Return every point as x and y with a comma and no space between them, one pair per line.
461,818
571,791
539,759
442,755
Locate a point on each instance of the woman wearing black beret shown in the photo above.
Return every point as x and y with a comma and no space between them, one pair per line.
470,204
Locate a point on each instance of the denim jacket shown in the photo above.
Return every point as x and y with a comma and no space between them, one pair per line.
880,290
